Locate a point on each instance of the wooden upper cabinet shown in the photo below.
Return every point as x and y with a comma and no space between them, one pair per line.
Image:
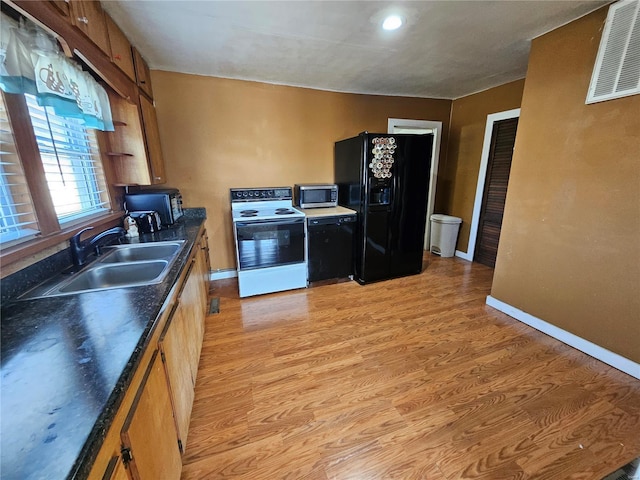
89,17
127,153
152,137
120,49
63,7
134,146
143,77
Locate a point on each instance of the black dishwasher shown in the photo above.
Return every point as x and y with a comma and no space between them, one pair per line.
330,246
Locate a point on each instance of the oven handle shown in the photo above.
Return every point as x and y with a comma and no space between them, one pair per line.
270,222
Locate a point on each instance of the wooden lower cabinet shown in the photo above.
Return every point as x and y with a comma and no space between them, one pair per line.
181,342
149,431
116,470
194,319
174,345
201,273
149,436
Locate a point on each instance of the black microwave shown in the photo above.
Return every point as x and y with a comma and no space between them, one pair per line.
167,202
314,195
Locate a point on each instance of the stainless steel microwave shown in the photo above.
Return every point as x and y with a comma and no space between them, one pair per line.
167,202
315,195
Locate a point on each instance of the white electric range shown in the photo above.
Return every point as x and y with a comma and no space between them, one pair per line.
270,239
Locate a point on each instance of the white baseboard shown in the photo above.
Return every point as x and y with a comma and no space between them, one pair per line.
464,255
617,361
222,274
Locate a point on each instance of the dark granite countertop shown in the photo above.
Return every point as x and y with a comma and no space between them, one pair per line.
66,363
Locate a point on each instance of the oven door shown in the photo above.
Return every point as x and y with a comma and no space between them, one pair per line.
270,243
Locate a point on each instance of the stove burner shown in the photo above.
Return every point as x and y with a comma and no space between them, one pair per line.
248,214
248,211
284,211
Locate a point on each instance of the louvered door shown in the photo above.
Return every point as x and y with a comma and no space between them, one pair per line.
495,191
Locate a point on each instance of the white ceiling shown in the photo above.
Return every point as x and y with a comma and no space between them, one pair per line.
446,49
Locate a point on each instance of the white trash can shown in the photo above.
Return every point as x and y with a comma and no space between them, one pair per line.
444,234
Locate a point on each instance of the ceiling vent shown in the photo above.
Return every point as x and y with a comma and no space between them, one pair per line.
617,70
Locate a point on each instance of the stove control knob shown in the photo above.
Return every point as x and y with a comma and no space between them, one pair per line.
251,194
244,194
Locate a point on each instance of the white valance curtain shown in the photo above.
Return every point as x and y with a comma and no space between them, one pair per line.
31,62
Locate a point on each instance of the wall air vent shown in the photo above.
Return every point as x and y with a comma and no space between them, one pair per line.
617,70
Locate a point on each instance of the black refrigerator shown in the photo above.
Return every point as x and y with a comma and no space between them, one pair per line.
385,178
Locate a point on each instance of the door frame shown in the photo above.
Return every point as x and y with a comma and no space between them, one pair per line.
435,160
482,176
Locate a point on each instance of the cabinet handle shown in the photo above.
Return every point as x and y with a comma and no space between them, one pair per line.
84,20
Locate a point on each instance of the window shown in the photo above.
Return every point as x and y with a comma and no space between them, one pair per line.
57,183
18,220
71,160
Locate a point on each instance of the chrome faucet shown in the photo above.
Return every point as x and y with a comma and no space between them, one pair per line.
80,250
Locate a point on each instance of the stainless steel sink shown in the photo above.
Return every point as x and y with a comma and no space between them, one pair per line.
120,266
114,276
141,252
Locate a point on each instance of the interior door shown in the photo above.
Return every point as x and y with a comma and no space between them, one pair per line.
495,191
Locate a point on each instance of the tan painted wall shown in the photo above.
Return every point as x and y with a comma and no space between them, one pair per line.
569,250
468,121
218,133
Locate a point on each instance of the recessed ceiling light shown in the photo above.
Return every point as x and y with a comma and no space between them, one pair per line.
392,22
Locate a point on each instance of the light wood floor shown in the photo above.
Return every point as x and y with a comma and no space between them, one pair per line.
413,378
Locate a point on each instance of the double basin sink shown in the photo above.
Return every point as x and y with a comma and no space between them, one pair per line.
119,266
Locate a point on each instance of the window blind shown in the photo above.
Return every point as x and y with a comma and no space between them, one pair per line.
18,222
71,160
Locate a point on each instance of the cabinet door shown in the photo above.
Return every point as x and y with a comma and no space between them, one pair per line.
152,137
175,354
116,470
127,152
89,17
120,49
62,7
207,266
192,302
202,266
149,431
143,77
